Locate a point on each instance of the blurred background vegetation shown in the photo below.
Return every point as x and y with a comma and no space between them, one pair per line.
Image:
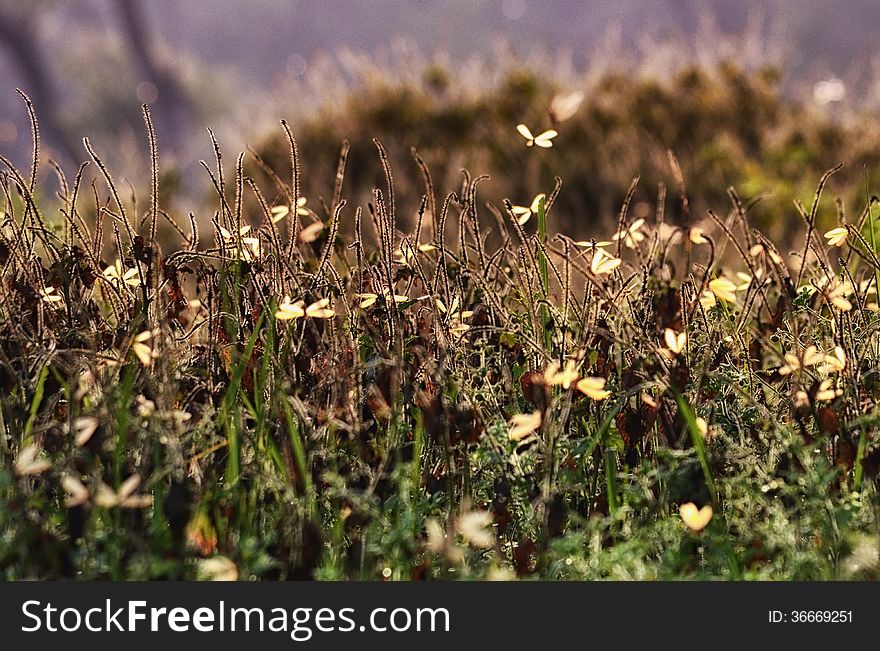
762,96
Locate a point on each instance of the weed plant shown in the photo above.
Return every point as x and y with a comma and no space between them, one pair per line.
439,389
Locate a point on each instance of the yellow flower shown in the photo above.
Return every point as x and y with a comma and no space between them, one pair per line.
320,310
835,363
85,427
476,528
50,295
77,493
250,246
707,300
368,298
835,291
453,309
812,356
632,235
118,275
590,244
604,263
280,212
458,327
565,378
145,407
543,139
437,541
217,568
564,106
288,310
593,387
675,342
455,316
311,232
838,296
522,425
405,255
837,236
758,249
866,289
745,281
107,498
29,462
792,363
228,236
723,289
140,348
697,235
695,519
524,213
255,249
826,391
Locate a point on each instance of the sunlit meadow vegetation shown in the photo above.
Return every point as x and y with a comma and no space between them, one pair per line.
728,126
370,364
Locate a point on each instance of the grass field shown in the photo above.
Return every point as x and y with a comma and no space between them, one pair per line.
287,386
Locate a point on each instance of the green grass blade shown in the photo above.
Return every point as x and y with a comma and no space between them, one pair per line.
35,406
300,457
611,479
699,444
230,414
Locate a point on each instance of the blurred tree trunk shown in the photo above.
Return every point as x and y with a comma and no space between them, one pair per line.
172,110
18,35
